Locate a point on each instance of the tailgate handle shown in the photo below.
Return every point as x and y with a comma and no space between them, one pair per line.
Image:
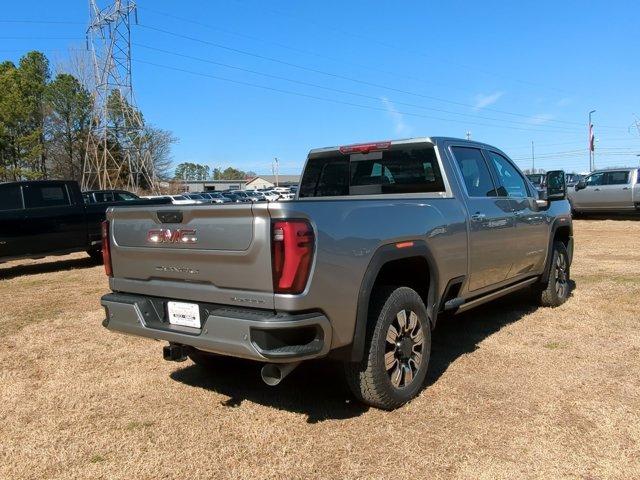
170,216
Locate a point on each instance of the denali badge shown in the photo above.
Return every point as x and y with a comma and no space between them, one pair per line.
166,235
190,271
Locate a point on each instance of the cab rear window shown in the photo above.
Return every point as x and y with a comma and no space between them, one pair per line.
399,170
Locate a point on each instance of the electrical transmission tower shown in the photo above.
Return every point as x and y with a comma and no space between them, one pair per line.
117,153
636,124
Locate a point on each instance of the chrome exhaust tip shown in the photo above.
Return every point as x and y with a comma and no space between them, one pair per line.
273,373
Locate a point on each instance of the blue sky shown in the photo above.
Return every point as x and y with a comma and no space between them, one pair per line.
311,74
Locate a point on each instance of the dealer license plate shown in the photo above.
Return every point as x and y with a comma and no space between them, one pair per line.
185,314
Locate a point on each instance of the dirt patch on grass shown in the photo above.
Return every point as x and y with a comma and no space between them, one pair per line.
513,391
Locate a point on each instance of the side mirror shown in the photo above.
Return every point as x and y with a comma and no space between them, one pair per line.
581,185
556,185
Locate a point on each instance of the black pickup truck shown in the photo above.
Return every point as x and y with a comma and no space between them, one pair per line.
50,217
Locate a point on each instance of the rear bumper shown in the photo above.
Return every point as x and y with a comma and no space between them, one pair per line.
239,332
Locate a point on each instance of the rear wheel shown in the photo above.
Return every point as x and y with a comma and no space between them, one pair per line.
558,288
96,255
397,350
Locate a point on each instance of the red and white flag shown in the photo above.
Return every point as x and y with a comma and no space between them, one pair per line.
592,140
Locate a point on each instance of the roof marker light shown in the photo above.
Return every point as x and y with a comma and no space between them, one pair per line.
365,147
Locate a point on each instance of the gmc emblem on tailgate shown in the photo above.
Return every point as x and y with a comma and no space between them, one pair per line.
166,235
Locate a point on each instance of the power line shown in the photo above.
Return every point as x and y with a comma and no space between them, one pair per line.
44,22
577,143
290,64
336,90
343,77
264,40
370,39
315,97
41,38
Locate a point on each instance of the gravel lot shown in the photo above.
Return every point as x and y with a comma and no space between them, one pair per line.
514,391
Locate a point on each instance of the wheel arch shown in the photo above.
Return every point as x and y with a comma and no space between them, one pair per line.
561,230
384,263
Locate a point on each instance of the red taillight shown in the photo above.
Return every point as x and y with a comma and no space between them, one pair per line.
292,242
106,249
365,147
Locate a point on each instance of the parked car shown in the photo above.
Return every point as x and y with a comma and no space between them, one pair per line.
214,197
102,196
257,196
414,229
538,180
572,179
614,190
242,195
175,199
284,193
50,217
233,198
197,197
270,195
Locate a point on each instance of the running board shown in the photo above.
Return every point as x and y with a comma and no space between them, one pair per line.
461,307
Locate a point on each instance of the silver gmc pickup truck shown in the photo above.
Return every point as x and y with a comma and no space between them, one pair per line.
381,239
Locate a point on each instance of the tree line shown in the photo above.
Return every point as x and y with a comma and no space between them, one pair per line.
188,171
45,122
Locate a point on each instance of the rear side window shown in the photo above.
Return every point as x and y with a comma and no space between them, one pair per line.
10,198
509,176
474,171
37,196
616,178
402,170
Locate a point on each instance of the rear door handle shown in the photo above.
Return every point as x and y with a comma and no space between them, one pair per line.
626,188
478,217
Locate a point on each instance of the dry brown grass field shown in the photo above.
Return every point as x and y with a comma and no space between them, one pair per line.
514,391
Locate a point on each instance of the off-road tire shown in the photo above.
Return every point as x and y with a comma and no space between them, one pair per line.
553,294
369,379
96,255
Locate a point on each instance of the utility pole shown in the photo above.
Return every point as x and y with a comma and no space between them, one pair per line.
117,154
533,159
468,135
592,145
275,169
636,124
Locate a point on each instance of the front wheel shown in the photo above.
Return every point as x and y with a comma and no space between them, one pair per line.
557,289
397,350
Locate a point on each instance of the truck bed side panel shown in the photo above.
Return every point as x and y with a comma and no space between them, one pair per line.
348,234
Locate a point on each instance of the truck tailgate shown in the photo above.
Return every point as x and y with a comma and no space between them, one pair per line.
215,254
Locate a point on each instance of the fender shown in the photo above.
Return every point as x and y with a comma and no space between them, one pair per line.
383,255
559,222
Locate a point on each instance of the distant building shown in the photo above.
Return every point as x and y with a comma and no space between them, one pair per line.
267,181
262,181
